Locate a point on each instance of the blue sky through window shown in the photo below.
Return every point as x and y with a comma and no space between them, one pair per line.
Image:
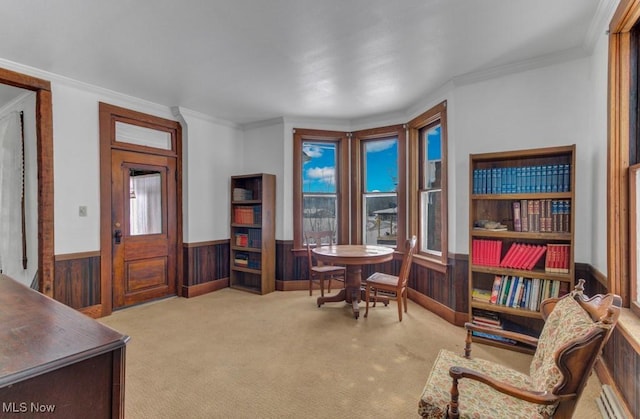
434,149
381,165
318,168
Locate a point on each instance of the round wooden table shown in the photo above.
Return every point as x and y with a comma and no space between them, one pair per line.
353,256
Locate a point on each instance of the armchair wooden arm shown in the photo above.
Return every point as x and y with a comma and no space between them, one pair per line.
539,397
519,337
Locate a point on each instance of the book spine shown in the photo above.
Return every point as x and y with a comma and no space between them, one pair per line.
517,223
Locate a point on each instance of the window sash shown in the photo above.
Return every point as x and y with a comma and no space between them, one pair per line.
319,217
431,236
380,227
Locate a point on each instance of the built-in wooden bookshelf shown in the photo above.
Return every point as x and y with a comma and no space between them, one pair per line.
521,236
253,233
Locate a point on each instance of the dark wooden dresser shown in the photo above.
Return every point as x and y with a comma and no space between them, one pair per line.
56,362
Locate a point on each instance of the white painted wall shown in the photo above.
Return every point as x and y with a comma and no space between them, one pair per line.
263,153
212,152
597,159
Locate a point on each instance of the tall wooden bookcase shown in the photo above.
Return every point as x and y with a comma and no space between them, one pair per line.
253,247
521,202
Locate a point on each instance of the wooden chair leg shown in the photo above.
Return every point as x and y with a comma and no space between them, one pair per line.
405,300
321,286
399,300
310,286
329,287
467,345
366,299
453,404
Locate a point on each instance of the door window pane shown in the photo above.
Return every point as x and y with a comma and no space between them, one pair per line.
145,202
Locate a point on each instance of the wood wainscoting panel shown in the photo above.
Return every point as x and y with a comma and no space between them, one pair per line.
623,363
77,279
206,267
448,289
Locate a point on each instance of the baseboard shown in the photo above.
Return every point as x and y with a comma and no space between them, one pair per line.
94,311
438,308
291,285
204,288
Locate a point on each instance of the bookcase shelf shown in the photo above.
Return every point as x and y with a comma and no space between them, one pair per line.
252,228
508,310
520,200
536,273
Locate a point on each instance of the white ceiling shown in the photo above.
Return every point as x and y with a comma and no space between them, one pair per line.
252,60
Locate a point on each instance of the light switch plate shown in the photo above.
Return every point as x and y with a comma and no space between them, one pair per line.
82,211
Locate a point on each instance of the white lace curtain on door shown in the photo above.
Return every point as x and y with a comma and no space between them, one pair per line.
146,204
11,172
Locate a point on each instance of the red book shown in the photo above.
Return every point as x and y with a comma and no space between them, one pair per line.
511,253
532,251
521,254
564,258
540,250
495,260
550,264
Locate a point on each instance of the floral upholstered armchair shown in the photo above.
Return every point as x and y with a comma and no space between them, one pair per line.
575,330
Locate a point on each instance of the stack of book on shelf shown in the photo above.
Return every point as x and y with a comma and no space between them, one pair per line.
486,252
247,215
241,194
525,293
558,258
241,259
489,319
242,239
523,256
481,295
541,215
243,215
528,179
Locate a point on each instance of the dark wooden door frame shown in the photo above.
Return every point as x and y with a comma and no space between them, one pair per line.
109,114
44,140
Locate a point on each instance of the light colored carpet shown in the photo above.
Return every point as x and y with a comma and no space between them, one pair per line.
233,354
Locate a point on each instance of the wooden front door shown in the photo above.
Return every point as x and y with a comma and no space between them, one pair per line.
144,226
